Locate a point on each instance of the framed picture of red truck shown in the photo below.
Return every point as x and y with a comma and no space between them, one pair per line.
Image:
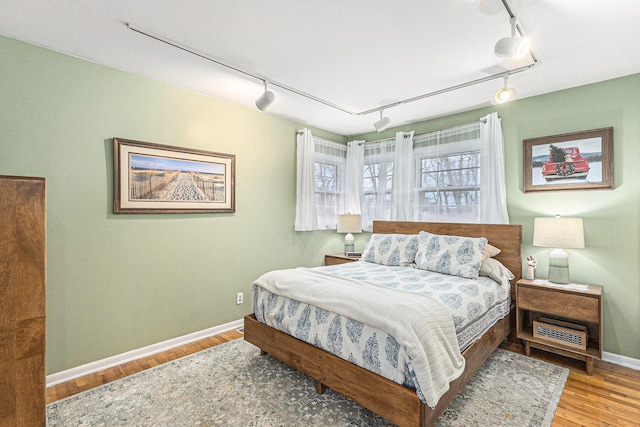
571,161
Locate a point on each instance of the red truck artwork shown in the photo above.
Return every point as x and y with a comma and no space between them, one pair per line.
565,162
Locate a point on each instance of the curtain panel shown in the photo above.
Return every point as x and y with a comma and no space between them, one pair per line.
306,214
402,189
354,192
493,191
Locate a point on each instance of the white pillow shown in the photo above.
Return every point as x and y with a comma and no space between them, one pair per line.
391,249
453,255
490,251
495,269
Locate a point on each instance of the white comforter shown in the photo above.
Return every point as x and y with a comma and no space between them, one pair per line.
419,323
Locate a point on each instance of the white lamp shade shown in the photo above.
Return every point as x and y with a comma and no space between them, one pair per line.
349,223
558,233
562,233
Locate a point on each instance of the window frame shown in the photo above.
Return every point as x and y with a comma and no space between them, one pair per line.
340,163
439,151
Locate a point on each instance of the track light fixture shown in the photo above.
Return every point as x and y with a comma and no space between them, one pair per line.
266,99
505,94
514,46
383,123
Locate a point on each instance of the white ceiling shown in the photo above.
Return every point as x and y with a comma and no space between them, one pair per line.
357,54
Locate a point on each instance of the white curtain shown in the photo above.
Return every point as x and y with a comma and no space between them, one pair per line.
402,187
306,216
354,191
493,192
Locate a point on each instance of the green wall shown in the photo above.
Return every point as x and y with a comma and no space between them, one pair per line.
121,282
611,217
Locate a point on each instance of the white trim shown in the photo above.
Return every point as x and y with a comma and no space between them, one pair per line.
119,359
616,359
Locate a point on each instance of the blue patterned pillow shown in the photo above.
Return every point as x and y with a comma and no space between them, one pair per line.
453,255
391,249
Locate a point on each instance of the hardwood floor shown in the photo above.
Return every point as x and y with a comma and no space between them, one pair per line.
69,388
610,397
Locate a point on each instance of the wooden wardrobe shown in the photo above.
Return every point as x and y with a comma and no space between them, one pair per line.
22,301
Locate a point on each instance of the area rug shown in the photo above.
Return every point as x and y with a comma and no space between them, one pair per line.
232,385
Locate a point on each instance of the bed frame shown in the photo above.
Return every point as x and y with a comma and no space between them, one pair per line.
393,401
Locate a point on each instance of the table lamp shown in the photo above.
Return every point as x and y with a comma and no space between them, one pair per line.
558,233
349,223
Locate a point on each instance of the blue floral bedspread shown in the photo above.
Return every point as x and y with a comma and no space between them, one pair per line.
475,306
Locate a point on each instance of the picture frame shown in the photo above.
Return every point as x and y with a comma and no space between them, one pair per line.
571,161
155,178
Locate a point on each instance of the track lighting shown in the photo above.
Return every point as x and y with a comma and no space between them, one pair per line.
486,6
383,123
266,99
514,46
505,94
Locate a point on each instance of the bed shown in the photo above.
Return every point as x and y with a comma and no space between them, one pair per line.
396,402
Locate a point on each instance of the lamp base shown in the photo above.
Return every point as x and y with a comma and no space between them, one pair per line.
559,267
349,243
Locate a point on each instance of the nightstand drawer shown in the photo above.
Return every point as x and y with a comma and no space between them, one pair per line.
339,259
558,303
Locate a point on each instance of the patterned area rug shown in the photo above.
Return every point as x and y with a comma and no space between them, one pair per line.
232,385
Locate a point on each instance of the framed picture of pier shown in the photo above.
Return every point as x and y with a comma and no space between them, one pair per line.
154,178
572,161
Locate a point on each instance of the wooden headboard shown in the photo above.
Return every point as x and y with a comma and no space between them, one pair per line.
506,237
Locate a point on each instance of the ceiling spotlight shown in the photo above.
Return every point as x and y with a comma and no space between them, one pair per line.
383,123
505,94
514,46
266,99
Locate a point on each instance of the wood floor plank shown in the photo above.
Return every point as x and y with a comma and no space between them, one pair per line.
599,409
605,399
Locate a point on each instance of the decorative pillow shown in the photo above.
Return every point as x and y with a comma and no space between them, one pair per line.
453,255
495,269
490,251
391,249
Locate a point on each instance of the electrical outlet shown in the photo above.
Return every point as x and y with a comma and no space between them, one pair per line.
239,297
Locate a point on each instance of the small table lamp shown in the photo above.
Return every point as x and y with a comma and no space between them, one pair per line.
349,223
558,233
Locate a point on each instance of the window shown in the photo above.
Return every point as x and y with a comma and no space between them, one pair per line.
447,166
377,182
445,172
446,175
329,175
449,188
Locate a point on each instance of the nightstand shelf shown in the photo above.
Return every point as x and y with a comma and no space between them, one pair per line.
335,259
582,307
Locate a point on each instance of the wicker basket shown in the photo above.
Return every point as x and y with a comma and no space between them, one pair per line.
561,332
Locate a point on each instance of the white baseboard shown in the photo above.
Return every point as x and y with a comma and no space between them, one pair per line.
616,359
119,359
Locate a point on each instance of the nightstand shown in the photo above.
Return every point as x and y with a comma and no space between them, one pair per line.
560,320
335,259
